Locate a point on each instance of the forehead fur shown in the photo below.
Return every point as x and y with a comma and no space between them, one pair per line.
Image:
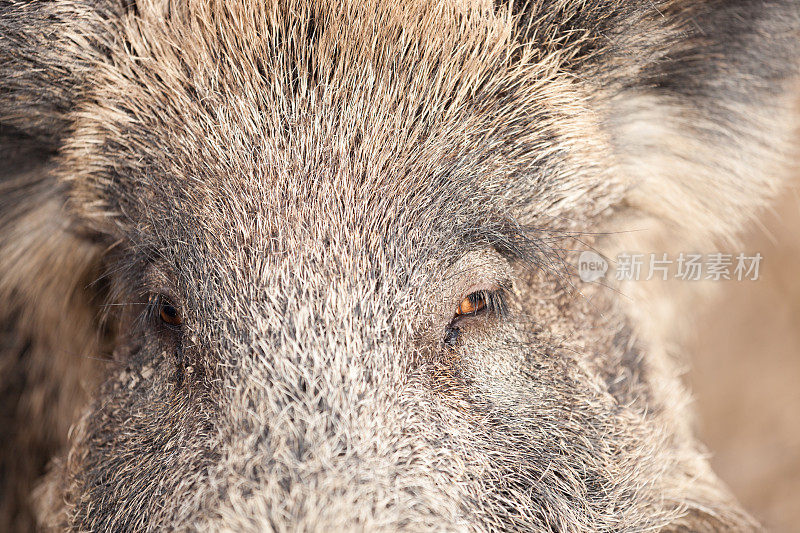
241,114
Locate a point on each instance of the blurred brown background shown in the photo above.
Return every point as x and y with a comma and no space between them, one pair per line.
746,374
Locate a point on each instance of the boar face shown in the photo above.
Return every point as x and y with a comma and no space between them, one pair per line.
331,248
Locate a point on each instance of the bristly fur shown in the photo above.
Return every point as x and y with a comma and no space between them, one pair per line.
316,185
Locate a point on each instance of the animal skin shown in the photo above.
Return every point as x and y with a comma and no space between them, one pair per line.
309,265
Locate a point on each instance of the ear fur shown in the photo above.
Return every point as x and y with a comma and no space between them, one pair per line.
705,135
699,99
46,50
49,336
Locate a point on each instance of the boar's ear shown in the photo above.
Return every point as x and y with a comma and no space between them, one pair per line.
699,99
49,329
47,49
48,319
703,126
704,130
46,52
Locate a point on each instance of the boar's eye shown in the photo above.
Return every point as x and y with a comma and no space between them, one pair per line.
483,302
169,314
480,302
472,304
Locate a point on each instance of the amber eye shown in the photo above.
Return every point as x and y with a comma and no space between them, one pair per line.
169,313
472,304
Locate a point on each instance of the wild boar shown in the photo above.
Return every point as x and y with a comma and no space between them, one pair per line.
309,265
